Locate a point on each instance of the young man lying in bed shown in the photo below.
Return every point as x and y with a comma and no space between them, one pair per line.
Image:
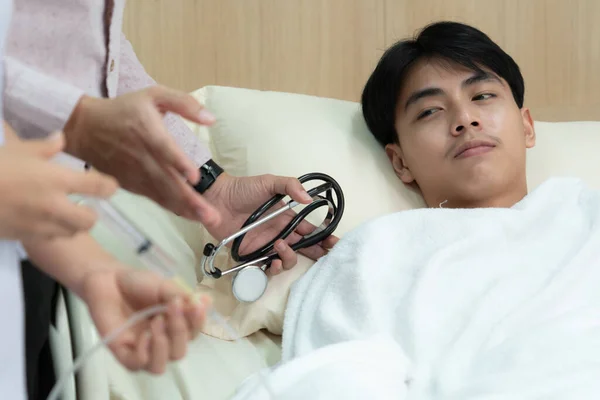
491,291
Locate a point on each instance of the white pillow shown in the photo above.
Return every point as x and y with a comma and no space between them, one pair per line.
565,149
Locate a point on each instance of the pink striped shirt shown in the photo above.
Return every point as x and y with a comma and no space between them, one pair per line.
59,50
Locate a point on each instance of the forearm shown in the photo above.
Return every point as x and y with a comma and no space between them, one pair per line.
35,103
69,260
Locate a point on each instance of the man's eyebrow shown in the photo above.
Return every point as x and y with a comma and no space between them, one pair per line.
419,94
481,76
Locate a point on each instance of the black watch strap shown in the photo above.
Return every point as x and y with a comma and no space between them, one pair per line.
208,175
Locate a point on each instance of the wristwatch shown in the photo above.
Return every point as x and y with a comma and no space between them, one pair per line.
208,175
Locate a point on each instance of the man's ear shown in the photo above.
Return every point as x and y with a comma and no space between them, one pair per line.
528,128
396,157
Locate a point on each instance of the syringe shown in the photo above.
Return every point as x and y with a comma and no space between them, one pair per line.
149,253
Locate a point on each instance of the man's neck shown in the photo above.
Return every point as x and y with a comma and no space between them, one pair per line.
506,199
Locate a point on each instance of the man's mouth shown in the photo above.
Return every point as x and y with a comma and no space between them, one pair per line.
474,148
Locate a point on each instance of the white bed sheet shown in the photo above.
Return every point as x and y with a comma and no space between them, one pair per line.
213,369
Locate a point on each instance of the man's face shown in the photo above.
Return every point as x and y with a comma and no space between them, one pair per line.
462,137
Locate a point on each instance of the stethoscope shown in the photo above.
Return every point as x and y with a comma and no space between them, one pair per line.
250,280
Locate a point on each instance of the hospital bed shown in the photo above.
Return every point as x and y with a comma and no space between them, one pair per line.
289,134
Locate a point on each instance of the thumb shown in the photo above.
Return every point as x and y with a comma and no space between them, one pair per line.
148,288
46,148
183,104
288,186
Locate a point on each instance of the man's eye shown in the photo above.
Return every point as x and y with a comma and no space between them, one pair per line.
427,113
483,96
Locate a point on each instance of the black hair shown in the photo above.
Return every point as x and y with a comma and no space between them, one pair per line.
447,41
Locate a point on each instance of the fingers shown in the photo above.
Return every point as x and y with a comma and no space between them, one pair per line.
168,188
182,104
150,351
317,251
329,242
143,350
196,315
45,148
207,214
57,216
177,330
72,217
289,186
185,321
169,332
288,258
314,252
191,205
159,346
51,230
164,185
305,228
132,357
170,336
320,250
91,183
166,151
68,217
164,339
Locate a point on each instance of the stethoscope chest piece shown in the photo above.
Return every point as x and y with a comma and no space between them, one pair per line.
249,284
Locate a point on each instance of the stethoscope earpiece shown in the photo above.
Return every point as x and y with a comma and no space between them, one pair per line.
250,281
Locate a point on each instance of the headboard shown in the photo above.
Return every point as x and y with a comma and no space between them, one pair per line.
329,47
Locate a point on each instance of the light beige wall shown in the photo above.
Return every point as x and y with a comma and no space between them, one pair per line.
329,47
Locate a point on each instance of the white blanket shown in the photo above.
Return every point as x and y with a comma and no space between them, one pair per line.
483,303
357,369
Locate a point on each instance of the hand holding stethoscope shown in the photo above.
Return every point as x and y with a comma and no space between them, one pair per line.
250,279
